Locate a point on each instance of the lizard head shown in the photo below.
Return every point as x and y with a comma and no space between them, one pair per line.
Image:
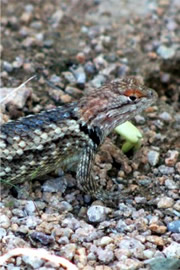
114,103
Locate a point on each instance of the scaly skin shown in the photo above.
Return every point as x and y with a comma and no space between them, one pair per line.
36,145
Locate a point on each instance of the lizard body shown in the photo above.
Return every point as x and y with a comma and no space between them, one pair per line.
38,144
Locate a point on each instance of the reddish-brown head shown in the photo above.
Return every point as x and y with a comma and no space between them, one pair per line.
115,103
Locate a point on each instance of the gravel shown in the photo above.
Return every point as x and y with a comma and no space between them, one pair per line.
166,52
96,213
153,157
173,250
166,170
7,66
165,202
174,226
55,185
34,263
77,47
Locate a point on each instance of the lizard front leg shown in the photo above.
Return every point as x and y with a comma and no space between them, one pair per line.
83,174
87,182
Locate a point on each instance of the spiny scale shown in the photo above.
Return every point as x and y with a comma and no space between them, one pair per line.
36,145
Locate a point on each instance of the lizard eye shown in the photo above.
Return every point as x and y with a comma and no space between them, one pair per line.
132,98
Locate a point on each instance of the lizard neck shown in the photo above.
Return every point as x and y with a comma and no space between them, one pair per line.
94,133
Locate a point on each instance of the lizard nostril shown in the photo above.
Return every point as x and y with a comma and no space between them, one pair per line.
150,93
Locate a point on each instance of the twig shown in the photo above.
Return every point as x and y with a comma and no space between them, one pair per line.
16,89
38,253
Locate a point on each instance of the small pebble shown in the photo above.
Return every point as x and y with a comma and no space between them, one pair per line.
29,67
128,264
36,25
33,262
2,233
65,207
176,237
166,170
148,253
81,57
91,257
90,68
159,263
63,240
177,205
173,250
139,119
134,246
172,157
69,77
166,117
26,17
157,240
18,62
40,36
139,199
170,184
105,255
105,241
125,210
111,69
66,98
55,79
152,219
48,43
106,40
56,17
32,222
141,224
29,7
122,70
84,29
43,238
80,76
145,182
171,25
30,207
165,77
166,52
12,267
160,229
64,232
96,213
4,222
122,253
73,91
174,226
28,42
55,185
165,202
98,81
71,223
122,226
7,66
100,62
153,157
68,251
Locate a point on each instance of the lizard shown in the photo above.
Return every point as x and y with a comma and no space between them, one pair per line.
38,144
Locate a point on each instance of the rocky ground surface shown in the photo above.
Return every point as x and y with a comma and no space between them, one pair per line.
76,45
